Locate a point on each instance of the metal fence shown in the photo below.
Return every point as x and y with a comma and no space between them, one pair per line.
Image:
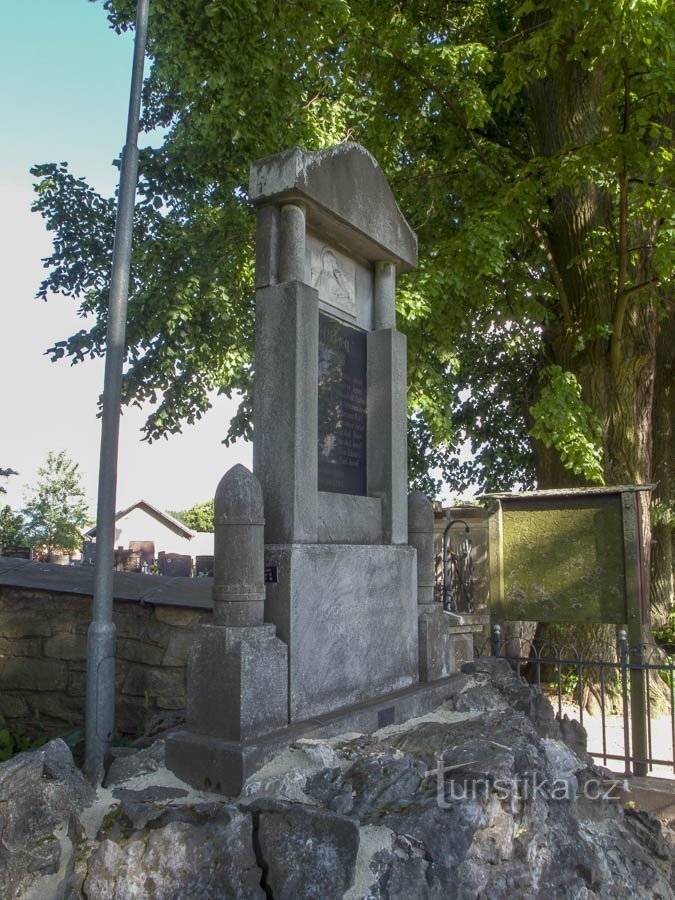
633,690
454,571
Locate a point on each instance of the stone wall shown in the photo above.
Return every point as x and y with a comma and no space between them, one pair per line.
43,650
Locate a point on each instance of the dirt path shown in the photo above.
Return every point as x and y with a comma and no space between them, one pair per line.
661,739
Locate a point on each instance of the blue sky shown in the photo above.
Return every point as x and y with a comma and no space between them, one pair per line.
65,78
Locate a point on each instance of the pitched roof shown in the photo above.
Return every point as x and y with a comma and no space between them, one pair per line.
156,513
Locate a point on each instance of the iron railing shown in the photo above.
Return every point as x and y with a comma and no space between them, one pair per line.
454,579
618,676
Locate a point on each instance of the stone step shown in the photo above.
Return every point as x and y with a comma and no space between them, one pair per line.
657,795
464,629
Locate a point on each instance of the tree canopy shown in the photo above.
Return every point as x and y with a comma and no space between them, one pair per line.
529,144
198,517
56,509
11,528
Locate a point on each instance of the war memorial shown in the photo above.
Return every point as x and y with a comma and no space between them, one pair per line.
323,588
340,739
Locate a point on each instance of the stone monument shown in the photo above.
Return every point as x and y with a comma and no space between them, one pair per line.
329,444
316,584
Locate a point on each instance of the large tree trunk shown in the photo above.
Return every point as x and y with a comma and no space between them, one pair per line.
663,471
616,373
601,333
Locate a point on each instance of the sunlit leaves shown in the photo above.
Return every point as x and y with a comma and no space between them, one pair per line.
562,420
441,94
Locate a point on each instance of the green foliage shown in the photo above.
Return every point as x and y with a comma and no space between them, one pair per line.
666,635
562,420
56,510
198,517
12,742
497,124
569,683
5,473
11,527
663,514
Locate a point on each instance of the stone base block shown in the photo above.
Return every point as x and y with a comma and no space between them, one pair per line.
461,650
237,682
211,764
348,614
444,646
435,644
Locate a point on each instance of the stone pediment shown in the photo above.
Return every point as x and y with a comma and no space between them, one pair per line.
347,198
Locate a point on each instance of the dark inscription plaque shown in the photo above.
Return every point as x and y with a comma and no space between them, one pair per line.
342,408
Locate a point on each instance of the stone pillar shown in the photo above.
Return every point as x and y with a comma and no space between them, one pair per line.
385,296
292,243
267,246
387,431
387,408
421,537
436,650
285,410
237,672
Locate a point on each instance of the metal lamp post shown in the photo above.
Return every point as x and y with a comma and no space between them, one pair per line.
100,705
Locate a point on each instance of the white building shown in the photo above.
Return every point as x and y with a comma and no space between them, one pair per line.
143,522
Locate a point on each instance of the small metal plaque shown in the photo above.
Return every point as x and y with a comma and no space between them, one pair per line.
271,574
342,408
386,716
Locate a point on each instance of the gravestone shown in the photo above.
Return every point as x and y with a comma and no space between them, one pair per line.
175,565
146,550
204,566
89,553
121,555
237,666
330,425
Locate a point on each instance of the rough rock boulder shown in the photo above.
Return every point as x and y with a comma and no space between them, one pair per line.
486,797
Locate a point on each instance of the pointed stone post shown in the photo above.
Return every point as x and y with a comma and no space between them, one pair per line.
239,550
237,669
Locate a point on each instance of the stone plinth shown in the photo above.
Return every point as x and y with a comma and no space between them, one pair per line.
346,614
237,682
237,692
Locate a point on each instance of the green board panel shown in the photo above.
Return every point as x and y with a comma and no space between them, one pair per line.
563,560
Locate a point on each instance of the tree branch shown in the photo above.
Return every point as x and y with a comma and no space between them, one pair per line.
622,295
555,275
638,288
426,176
450,103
